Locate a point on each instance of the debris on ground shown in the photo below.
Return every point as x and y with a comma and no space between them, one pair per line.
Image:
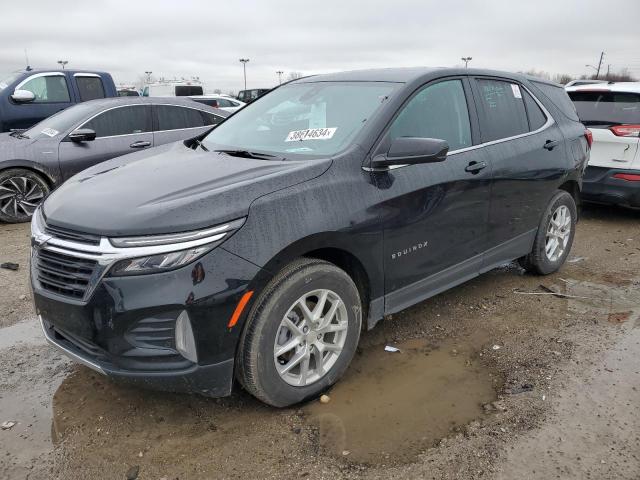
133,472
525,387
619,317
10,266
8,425
389,348
576,259
325,399
496,347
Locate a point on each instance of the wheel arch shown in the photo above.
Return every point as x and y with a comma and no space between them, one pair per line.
31,166
572,187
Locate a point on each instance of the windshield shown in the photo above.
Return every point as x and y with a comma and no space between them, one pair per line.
6,80
61,122
607,108
307,119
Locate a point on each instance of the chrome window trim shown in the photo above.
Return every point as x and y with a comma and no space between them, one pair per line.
550,121
94,75
38,75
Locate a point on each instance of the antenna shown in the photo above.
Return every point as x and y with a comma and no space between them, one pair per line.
26,59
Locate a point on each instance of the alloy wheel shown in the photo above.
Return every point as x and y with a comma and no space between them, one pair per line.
311,337
20,196
558,233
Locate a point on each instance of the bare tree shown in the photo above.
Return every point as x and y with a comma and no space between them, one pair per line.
217,91
294,75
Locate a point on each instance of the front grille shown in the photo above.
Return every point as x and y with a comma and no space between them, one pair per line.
70,235
63,274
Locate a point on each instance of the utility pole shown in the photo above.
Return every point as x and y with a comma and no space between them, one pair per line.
608,70
63,63
599,65
148,74
244,62
466,61
280,72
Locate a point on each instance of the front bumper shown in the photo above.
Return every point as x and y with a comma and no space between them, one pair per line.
126,328
599,186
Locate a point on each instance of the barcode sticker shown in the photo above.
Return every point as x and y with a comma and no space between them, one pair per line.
516,90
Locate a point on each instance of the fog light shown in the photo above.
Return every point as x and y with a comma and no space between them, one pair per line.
185,343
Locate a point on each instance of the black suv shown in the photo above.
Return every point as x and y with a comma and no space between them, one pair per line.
260,250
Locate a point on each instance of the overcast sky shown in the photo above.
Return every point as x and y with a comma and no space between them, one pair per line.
206,38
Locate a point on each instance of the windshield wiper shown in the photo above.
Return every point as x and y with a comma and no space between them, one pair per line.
246,154
200,144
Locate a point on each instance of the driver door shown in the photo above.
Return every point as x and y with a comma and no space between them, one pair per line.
119,131
434,214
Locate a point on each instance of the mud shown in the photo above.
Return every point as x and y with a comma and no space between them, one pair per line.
556,399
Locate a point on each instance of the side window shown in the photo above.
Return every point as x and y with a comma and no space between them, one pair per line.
503,107
437,111
145,92
120,121
210,118
560,99
171,117
49,89
536,116
90,88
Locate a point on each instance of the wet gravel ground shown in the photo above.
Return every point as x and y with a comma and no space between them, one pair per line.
499,378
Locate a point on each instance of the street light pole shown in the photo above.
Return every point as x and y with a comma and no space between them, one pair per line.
148,73
63,63
466,61
280,72
244,62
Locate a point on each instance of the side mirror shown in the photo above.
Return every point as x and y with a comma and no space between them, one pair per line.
82,135
23,96
411,151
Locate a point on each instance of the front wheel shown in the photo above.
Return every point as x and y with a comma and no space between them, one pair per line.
554,237
301,333
21,191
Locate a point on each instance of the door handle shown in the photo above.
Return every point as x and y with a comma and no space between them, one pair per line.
140,144
551,144
475,167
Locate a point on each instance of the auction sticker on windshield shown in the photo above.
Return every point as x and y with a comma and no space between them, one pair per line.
50,132
311,134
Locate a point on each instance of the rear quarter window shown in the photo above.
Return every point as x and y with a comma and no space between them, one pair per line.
560,99
90,88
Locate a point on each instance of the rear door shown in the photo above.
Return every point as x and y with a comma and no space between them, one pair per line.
119,131
527,154
176,122
614,120
52,94
90,86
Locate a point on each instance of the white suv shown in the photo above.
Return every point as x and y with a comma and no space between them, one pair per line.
612,112
223,102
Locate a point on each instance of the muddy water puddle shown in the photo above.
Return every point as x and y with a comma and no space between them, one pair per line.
392,406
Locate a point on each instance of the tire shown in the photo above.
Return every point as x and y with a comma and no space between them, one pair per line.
21,191
539,261
266,329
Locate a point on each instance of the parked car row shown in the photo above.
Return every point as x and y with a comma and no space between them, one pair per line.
257,251
38,160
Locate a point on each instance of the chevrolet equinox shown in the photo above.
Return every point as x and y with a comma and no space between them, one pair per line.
260,250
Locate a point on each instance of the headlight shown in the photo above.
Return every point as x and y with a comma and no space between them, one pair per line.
159,263
168,251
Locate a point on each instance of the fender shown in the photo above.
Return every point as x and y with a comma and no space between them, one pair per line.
51,175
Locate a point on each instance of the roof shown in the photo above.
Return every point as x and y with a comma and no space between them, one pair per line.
633,87
410,74
58,69
184,101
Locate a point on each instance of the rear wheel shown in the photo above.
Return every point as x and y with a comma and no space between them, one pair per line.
301,333
21,191
554,237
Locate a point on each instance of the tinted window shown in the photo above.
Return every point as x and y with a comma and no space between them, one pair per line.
438,111
210,118
187,90
48,89
172,117
90,88
503,107
120,121
206,101
559,97
607,108
536,116
223,102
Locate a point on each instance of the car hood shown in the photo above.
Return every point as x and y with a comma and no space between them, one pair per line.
171,188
